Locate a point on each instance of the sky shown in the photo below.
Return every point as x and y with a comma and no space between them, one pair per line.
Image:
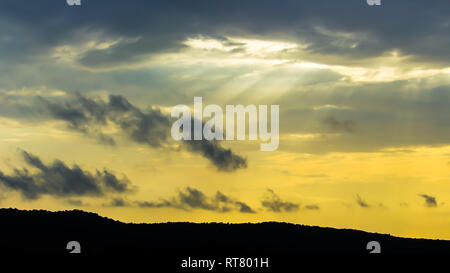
363,91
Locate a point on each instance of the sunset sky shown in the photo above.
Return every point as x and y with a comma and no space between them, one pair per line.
364,92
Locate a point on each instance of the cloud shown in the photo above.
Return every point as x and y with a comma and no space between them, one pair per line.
191,198
158,204
367,117
151,127
195,199
350,29
241,206
273,203
116,202
430,201
223,159
334,124
59,180
76,202
88,116
362,203
312,207
387,115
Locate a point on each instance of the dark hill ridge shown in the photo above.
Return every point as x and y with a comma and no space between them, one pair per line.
39,231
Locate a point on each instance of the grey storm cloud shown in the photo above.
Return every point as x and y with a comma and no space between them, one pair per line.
361,202
348,28
191,198
274,203
59,180
430,201
150,127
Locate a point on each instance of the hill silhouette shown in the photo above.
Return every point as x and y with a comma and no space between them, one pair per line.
43,232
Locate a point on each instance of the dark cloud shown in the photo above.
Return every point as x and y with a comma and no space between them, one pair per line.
116,202
312,207
158,204
151,127
88,115
59,180
223,159
76,202
135,51
336,125
430,201
244,207
348,28
191,198
361,202
274,203
228,201
194,198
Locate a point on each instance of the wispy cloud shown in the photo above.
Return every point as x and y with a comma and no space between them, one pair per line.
337,125
273,203
312,207
361,202
191,198
430,201
116,202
